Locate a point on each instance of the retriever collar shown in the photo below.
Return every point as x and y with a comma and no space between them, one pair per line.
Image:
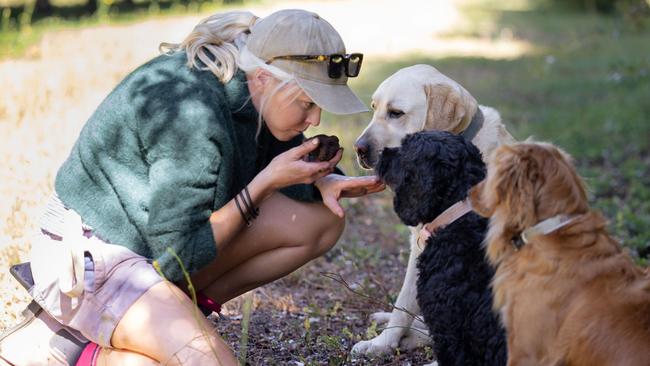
453,213
474,125
544,227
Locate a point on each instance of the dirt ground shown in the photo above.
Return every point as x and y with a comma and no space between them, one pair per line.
305,318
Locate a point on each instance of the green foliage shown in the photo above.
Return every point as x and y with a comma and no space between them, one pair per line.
601,6
623,195
22,23
243,342
25,21
5,17
585,87
634,12
371,332
428,351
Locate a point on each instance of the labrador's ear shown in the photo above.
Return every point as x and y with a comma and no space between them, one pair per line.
449,107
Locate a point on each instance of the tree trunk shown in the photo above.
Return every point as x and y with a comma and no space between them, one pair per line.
43,7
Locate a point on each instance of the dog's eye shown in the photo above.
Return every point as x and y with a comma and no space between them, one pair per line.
372,105
394,114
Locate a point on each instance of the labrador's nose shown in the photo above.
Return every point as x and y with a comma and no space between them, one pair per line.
361,147
364,153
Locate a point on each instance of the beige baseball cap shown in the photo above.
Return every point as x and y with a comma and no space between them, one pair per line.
299,32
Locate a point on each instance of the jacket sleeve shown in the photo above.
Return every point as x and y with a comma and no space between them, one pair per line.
185,158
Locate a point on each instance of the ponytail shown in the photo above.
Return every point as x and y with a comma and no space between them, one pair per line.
219,43
215,42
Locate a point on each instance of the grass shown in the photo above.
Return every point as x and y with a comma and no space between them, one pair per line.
585,88
17,35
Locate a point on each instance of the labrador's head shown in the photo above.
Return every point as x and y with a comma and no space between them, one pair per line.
416,98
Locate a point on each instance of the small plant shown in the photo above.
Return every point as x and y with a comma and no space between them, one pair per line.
103,8
245,323
371,332
428,352
6,18
335,309
348,334
190,287
25,20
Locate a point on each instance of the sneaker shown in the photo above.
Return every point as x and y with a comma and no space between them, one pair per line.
39,340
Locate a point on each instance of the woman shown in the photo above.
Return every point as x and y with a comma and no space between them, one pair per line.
179,172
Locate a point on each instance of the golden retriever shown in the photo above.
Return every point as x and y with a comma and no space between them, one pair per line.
419,98
568,294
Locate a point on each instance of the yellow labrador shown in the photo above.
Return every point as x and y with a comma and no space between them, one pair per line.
414,99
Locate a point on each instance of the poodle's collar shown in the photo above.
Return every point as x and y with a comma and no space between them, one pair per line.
453,213
544,227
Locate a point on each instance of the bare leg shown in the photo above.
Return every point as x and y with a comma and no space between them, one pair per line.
108,357
165,326
285,236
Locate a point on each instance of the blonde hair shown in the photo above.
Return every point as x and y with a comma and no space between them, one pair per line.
219,42
214,42
248,62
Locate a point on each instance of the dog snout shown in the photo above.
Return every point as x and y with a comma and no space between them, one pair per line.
362,148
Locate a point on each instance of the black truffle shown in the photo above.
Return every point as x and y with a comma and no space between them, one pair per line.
327,148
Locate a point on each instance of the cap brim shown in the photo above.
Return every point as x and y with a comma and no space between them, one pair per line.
334,98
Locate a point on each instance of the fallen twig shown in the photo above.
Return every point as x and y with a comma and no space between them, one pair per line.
338,278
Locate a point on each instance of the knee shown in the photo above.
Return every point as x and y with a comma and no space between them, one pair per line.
205,349
327,235
110,356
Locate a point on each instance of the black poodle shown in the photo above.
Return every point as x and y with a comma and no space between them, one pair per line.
430,172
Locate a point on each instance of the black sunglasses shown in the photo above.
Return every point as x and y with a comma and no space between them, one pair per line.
337,63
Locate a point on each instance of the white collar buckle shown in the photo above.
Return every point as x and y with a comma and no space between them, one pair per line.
544,227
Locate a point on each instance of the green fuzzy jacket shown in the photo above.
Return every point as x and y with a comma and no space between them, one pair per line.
166,148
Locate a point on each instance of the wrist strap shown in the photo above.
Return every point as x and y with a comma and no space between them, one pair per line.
255,211
251,211
241,211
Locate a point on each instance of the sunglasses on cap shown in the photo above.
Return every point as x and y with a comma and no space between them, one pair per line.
336,63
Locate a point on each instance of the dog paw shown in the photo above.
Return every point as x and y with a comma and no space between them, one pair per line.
380,317
434,363
415,338
375,346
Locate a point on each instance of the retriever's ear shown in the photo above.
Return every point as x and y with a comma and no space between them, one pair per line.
564,191
515,184
480,205
449,107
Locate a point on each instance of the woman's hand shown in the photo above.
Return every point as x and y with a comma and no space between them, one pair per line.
334,186
288,168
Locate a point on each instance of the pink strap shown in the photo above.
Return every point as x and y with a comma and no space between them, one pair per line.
89,355
208,302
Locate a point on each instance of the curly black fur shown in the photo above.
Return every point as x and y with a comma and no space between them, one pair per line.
430,172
